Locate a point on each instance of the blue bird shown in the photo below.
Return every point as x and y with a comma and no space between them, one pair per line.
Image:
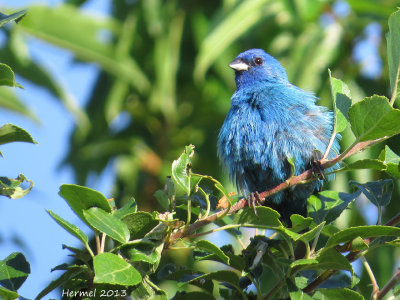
269,122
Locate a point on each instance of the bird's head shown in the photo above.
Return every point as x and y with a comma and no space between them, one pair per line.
255,66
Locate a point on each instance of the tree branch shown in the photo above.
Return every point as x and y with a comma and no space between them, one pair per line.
306,176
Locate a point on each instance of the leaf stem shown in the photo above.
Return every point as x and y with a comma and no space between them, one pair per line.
315,241
255,282
103,242
394,92
208,205
98,246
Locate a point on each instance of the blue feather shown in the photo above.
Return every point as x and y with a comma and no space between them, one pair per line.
271,120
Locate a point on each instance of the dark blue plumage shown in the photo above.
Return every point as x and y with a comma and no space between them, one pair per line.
269,121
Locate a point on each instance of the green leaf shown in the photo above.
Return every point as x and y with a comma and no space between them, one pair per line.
139,224
370,6
341,102
388,156
71,274
14,270
244,16
80,198
26,67
340,293
79,253
388,161
10,101
392,161
71,228
328,205
166,196
10,133
378,192
146,255
181,172
299,223
6,294
367,163
4,19
303,262
196,295
210,247
66,26
325,260
309,235
12,187
148,290
349,234
332,259
373,118
112,269
129,208
393,49
7,76
358,244
162,199
107,223
223,276
266,217
299,295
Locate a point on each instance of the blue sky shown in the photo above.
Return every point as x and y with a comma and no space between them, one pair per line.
26,218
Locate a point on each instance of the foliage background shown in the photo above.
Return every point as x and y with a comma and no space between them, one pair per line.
153,77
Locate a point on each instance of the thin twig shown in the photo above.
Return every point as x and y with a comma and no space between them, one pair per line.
352,256
389,285
375,287
331,140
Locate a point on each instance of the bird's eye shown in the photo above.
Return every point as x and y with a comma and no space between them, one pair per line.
258,61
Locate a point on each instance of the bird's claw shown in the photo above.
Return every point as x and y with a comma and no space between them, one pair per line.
253,201
317,169
316,166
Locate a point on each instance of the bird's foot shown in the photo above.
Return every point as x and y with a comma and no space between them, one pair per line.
254,200
316,167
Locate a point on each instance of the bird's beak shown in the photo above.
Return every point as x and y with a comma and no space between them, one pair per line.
239,65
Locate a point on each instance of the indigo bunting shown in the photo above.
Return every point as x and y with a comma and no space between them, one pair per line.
270,122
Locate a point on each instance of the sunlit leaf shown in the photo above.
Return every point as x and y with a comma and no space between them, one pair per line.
341,102
349,234
112,269
4,19
12,187
107,223
71,228
374,118
80,198
10,133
